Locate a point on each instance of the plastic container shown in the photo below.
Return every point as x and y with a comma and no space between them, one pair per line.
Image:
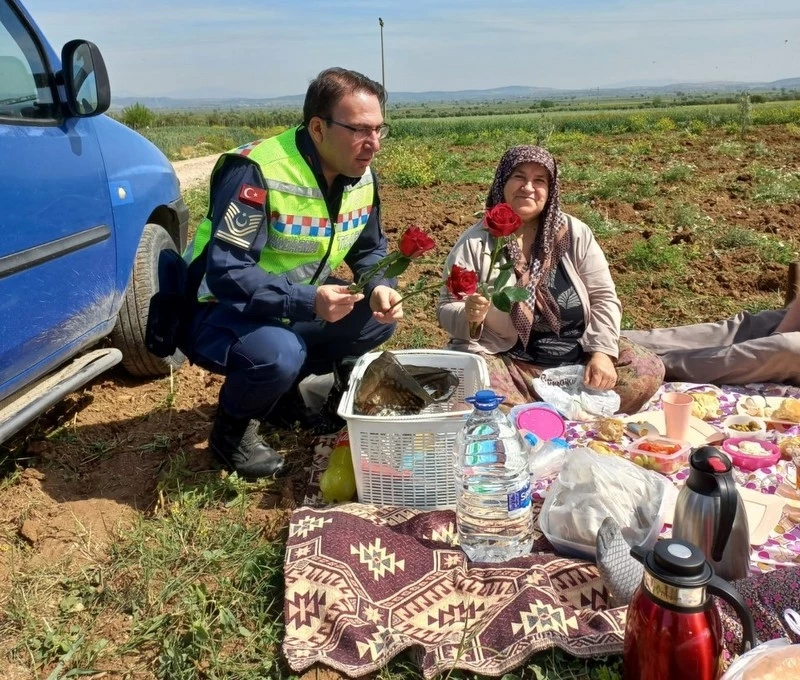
589,551
592,487
747,461
408,460
540,418
490,466
740,420
665,463
548,459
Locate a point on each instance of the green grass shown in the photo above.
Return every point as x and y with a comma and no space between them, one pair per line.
198,590
775,185
544,125
677,172
656,254
187,141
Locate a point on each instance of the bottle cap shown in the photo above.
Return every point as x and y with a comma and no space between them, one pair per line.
485,400
530,438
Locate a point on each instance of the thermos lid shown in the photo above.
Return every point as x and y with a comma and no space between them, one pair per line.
679,563
710,459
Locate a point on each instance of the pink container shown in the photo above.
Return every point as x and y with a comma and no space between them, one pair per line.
748,461
540,418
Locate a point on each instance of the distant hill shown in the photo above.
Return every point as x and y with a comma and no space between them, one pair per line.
444,96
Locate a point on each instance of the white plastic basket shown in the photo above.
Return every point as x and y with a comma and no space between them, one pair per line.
408,460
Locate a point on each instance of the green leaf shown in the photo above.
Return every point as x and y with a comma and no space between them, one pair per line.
504,267
397,267
516,294
501,301
502,279
244,632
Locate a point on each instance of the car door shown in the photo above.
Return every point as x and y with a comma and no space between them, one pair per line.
57,249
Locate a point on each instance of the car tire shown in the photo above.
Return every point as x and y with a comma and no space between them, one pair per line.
129,331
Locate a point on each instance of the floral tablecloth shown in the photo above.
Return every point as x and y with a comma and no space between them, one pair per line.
783,546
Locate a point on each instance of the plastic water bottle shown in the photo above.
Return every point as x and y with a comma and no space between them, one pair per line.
493,489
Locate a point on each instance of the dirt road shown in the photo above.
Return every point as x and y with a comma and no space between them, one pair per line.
195,172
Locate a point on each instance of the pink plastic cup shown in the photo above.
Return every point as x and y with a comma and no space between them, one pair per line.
677,408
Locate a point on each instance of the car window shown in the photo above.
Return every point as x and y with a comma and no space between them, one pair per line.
25,84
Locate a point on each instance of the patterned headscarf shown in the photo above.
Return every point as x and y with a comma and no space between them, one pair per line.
551,243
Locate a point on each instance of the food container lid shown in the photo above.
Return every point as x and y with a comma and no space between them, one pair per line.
542,421
683,447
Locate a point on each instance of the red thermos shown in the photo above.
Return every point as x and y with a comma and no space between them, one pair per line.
673,631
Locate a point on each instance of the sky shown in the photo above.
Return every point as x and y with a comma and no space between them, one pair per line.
266,48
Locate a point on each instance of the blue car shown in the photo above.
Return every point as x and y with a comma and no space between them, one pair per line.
86,207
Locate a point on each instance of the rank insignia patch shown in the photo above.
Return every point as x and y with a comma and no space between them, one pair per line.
240,224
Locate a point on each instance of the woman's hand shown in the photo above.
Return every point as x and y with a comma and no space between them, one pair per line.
476,308
600,373
386,304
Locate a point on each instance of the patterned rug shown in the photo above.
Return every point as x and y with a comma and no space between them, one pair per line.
365,583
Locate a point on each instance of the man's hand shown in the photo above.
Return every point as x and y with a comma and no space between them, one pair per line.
600,373
333,303
382,298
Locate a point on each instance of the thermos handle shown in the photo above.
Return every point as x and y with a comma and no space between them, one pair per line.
720,587
728,502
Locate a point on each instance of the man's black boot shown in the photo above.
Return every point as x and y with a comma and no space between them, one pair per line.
236,443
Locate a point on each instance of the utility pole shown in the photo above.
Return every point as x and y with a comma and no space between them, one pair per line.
383,71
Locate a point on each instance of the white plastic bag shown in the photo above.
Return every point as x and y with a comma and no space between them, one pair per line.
591,487
314,390
774,660
563,387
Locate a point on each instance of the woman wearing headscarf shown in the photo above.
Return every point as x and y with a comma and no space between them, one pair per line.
572,313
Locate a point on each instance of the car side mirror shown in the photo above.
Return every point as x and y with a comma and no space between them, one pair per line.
85,79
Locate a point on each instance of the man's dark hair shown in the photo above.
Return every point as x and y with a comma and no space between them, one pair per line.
328,88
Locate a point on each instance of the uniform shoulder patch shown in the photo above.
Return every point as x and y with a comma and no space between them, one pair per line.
253,195
240,224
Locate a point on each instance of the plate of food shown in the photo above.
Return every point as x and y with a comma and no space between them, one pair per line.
781,410
652,423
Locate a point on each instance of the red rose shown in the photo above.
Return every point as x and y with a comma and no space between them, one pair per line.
415,242
502,220
461,282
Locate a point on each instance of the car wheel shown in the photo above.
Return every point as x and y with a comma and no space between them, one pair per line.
128,334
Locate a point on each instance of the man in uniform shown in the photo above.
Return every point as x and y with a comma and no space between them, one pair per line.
283,214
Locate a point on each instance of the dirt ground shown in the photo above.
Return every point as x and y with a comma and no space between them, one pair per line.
118,436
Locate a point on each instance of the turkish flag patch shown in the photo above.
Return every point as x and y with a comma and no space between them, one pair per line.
252,195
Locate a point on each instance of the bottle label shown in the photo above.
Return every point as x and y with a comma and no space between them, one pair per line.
519,500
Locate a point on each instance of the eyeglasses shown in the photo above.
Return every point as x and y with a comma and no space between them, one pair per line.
362,133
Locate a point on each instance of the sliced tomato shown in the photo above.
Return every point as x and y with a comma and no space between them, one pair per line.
661,449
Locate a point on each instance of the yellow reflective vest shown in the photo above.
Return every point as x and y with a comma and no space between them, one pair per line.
300,231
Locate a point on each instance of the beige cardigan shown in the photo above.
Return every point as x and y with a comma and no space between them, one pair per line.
587,268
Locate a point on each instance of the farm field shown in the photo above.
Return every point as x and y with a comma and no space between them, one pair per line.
124,555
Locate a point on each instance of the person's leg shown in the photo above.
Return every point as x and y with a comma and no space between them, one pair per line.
640,373
744,326
262,366
335,347
791,320
773,358
354,335
259,363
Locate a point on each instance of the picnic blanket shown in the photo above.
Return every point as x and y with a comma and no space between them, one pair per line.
365,583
